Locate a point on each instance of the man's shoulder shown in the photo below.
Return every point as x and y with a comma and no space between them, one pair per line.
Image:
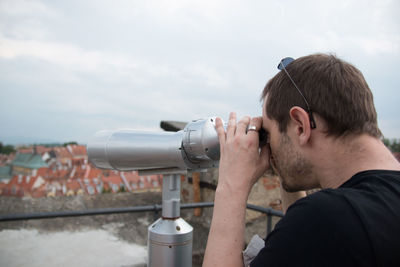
323,201
364,187
373,179
327,210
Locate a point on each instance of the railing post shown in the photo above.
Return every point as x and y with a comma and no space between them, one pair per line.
155,213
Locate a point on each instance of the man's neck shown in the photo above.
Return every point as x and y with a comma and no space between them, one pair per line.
342,158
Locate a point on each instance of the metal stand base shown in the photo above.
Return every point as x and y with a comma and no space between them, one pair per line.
170,238
170,243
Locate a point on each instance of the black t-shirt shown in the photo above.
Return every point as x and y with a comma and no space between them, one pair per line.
357,224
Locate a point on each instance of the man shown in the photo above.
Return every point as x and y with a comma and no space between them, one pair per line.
322,125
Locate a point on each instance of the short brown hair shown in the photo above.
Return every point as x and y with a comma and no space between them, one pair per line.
334,89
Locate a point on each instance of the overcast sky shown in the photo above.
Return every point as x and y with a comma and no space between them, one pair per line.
71,68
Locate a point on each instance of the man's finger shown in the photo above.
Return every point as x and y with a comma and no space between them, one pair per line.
256,123
230,131
220,130
254,128
242,125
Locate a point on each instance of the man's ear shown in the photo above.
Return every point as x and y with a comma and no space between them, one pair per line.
301,121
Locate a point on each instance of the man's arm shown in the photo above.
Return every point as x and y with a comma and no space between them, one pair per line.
241,164
226,237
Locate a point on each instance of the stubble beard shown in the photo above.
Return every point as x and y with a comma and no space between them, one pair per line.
291,166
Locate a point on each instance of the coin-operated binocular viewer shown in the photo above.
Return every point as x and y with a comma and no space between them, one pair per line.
195,148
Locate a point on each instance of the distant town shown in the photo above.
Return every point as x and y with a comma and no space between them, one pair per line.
63,170
48,171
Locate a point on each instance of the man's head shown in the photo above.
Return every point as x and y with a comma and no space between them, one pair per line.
336,93
334,89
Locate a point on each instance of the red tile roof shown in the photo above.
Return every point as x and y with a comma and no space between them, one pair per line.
73,185
62,152
21,185
113,181
69,173
40,191
39,150
77,150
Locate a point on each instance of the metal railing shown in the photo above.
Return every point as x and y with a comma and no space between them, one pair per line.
154,208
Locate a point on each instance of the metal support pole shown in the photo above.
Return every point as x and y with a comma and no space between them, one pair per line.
170,238
269,223
171,196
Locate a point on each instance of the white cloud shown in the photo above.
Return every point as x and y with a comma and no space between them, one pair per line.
137,62
56,53
24,20
375,46
24,7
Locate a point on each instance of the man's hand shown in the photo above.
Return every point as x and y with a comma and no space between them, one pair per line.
241,161
241,164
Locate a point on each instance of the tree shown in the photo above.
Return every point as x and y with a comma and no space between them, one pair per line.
106,191
6,149
396,146
70,143
386,142
122,189
393,145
